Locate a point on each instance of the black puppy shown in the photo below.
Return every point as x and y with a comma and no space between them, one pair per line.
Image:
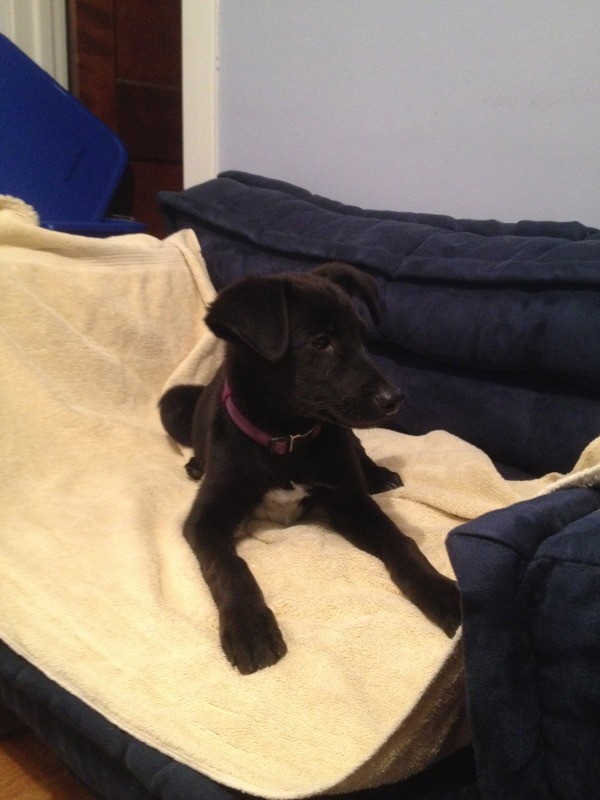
278,415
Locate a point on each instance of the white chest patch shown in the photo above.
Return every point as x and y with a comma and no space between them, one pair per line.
282,505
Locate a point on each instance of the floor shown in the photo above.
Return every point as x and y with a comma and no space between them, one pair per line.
30,771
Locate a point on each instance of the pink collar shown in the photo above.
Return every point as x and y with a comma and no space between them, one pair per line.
280,445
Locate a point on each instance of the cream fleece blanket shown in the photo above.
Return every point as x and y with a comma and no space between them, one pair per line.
99,590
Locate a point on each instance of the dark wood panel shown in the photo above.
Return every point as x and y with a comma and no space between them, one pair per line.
151,27
125,60
149,121
92,56
149,179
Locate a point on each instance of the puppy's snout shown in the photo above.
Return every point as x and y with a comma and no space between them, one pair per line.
388,400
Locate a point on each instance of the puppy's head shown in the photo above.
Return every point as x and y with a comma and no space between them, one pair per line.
303,338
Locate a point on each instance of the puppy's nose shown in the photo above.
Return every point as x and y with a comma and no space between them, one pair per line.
388,400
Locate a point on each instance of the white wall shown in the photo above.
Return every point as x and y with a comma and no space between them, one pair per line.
475,108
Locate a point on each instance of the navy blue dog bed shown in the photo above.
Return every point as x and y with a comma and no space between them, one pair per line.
493,332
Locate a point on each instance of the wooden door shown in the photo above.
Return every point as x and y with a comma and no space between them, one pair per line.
125,66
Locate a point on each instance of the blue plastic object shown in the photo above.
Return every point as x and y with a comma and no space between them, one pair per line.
54,153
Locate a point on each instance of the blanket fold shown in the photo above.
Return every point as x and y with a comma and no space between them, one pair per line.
99,590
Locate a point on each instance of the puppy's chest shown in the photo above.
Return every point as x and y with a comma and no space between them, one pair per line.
284,506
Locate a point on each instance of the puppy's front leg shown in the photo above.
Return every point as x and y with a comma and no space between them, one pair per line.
364,524
377,478
250,636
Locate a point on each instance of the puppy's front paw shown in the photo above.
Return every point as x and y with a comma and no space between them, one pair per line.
193,469
251,639
445,609
382,479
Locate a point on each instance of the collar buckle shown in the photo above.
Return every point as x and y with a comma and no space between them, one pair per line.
281,445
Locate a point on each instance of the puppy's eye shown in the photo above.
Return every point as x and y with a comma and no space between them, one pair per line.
321,342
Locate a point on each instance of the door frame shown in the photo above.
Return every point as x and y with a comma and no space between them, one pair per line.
199,20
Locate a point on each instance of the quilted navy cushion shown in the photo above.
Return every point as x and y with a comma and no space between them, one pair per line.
491,329
529,577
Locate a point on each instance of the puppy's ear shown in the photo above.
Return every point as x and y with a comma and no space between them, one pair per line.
354,282
253,311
